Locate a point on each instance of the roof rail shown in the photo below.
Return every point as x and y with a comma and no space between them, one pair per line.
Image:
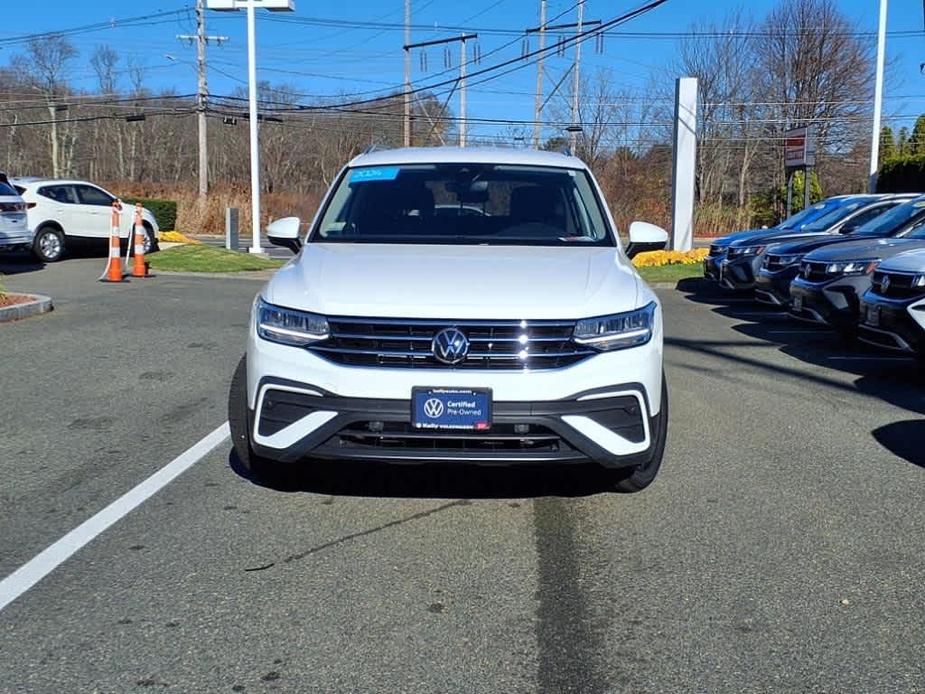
375,147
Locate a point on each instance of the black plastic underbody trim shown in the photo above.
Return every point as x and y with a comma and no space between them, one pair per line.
618,413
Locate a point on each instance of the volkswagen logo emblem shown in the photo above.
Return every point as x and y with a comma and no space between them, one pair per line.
433,408
885,283
450,346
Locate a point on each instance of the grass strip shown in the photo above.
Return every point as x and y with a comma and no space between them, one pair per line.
201,258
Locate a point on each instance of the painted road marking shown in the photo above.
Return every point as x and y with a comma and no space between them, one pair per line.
56,554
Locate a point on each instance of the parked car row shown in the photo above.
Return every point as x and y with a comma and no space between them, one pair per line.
854,263
47,216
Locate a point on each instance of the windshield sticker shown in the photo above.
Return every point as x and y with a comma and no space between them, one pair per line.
375,173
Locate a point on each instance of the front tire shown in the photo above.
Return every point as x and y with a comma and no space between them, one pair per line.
257,467
151,245
48,244
643,475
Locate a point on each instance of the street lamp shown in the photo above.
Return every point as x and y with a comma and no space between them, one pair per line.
250,6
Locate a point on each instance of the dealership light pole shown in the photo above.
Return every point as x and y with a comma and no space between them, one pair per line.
251,6
878,98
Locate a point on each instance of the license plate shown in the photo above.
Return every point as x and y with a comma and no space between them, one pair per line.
451,408
798,303
873,316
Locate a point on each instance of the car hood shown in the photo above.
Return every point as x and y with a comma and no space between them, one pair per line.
865,248
465,282
778,236
736,236
913,261
802,244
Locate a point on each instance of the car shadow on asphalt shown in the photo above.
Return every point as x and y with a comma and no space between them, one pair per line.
16,263
895,379
434,481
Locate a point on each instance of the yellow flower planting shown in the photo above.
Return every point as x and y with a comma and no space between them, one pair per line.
660,258
176,237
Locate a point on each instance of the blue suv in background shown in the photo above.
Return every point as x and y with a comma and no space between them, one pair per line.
711,264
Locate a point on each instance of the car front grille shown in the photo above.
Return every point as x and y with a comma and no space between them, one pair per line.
408,343
899,285
814,272
773,263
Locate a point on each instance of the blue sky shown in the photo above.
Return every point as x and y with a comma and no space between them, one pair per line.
321,60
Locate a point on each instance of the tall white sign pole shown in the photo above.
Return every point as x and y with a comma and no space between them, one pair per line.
685,164
255,146
878,98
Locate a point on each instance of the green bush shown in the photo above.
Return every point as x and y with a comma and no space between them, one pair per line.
164,211
902,175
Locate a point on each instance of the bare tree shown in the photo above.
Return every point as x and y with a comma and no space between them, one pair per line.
44,66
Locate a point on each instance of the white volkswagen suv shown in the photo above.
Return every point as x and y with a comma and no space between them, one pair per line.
521,334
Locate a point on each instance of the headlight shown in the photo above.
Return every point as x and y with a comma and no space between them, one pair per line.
789,259
919,281
289,327
619,331
735,252
852,267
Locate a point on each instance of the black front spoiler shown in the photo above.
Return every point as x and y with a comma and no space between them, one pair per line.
365,429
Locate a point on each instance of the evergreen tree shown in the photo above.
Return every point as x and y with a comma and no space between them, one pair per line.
887,144
917,141
902,144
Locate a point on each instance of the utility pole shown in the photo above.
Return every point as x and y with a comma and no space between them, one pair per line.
203,92
878,98
538,107
576,80
462,92
461,82
407,134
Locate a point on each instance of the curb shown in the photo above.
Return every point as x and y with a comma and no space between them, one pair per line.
39,304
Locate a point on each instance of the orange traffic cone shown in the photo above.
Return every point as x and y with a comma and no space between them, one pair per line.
140,267
114,267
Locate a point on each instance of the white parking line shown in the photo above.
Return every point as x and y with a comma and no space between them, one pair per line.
56,554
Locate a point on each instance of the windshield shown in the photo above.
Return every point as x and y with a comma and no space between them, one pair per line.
800,218
890,222
830,219
464,204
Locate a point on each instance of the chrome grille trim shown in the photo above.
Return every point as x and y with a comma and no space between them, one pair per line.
494,344
900,286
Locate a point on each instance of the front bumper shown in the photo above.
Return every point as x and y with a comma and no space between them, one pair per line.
834,303
773,287
580,413
711,267
296,421
740,272
893,324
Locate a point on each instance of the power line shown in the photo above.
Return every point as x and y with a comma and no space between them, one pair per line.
140,20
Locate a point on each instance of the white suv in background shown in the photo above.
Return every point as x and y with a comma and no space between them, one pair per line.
65,211
401,332
14,230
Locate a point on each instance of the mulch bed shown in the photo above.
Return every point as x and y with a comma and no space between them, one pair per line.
13,299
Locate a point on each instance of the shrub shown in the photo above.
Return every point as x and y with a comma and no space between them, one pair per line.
659,258
902,175
177,237
164,211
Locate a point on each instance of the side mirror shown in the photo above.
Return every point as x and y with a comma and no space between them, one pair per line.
645,237
848,229
285,232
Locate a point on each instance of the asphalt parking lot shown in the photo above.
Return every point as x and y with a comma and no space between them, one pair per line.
779,550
